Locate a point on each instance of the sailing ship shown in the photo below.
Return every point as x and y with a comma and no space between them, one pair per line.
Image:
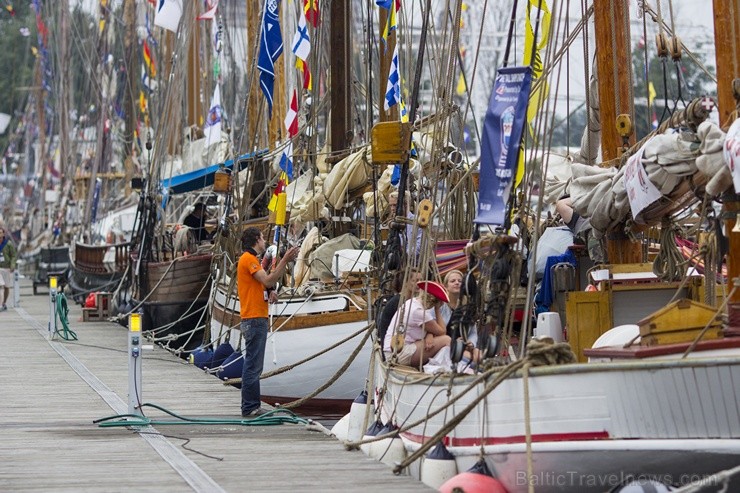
658,399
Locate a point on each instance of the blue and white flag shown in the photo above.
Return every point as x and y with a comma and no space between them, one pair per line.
286,160
301,40
393,88
502,136
212,128
168,14
271,46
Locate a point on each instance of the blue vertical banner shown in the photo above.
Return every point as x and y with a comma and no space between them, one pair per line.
271,46
502,136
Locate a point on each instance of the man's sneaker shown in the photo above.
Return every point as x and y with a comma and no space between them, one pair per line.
3,308
254,413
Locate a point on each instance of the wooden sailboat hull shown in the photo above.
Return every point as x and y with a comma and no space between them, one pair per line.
96,268
177,295
589,423
316,324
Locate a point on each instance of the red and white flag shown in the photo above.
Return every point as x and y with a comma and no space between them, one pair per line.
291,119
209,14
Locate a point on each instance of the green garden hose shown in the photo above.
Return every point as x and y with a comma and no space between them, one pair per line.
267,419
62,313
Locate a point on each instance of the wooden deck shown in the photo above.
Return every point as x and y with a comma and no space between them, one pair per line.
50,393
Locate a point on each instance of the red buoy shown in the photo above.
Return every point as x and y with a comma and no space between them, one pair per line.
471,482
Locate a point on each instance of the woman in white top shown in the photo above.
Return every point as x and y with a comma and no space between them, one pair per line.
423,334
453,284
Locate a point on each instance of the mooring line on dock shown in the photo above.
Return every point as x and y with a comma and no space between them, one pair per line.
198,479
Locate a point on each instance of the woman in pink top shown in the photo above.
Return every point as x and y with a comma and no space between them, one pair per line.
423,334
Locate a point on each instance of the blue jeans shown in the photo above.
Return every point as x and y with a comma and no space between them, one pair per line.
254,331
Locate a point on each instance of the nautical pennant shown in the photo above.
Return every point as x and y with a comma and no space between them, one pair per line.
301,40
142,102
271,46
393,88
291,119
280,188
392,23
305,72
168,14
311,9
148,60
210,13
147,81
286,161
212,128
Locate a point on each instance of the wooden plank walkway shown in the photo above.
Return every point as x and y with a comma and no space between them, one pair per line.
50,393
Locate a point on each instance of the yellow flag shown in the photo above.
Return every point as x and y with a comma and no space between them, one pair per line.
544,32
651,93
531,49
461,86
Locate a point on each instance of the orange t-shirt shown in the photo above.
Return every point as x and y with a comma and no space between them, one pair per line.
252,294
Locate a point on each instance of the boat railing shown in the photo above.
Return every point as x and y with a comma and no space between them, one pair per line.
92,258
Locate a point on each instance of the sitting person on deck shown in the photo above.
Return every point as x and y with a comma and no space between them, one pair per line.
423,335
453,281
196,221
581,229
389,309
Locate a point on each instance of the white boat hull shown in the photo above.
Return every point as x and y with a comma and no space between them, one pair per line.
289,346
589,423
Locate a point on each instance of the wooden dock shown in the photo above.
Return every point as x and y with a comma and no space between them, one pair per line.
52,391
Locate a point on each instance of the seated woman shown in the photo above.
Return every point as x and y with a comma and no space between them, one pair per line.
424,335
406,289
453,283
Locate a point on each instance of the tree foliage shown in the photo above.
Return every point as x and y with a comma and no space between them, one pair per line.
16,58
675,84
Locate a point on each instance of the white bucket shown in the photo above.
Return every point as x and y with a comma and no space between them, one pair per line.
548,325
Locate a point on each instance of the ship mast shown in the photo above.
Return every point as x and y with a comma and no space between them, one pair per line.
727,52
614,62
340,64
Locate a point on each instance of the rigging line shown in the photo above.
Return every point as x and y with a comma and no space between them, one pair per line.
673,20
475,67
664,27
587,76
510,36
646,75
615,60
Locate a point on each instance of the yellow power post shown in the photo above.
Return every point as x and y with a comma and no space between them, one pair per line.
52,306
134,364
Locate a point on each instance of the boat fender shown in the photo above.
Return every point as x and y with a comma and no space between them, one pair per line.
470,482
202,358
371,432
232,368
357,417
438,466
341,428
223,351
477,479
389,451
641,485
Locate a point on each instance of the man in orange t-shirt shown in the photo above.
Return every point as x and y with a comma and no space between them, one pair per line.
255,289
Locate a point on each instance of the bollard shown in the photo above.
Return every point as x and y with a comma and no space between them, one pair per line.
52,306
16,289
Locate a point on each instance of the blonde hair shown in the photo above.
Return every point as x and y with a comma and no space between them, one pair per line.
453,271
